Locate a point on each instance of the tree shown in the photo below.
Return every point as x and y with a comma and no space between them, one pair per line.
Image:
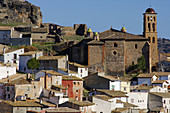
33,64
141,64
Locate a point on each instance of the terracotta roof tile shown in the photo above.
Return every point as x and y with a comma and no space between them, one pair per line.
23,104
30,53
163,95
146,75
81,103
74,78
113,93
50,57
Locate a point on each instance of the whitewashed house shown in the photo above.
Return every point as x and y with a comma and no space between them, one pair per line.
107,101
24,59
11,56
7,70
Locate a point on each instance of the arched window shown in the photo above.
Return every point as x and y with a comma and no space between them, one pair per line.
136,46
153,40
153,26
154,18
149,39
149,26
148,18
115,45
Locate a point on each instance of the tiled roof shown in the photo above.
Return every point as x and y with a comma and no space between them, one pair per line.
81,103
30,53
166,54
39,30
45,103
158,81
5,28
10,50
74,78
77,65
23,104
13,77
95,42
146,75
112,78
50,57
65,70
126,104
163,95
59,86
19,81
113,93
62,110
103,97
162,73
141,87
116,34
52,72
119,110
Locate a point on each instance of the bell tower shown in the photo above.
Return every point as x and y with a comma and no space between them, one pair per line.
150,32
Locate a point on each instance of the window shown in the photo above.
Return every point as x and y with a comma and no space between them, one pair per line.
7,72
78,83
24,68
149,26
132,100
133,63
154,18
68,86
164,101
8,96
114,52
7,88
41,37
112,87
148,18
153,39
153,26
74,83
81,71
149,39
34,87
136,46
115,44
4,37
124,88
28,88
77,91
164,86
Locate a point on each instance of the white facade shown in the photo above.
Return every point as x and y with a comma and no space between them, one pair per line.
115,85
82,72
158,89
138,98
24,59
7,71
12,57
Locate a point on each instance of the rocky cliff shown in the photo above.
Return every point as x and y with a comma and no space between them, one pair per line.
19,11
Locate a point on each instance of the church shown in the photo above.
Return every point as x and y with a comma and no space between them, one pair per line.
113,51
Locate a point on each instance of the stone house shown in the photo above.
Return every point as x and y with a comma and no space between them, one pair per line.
51,62
74,86
24,59
19,106
112,52
39,34
107,101
164,56
162,83
163,75
83,106
11,56
7,70
5,34
159,102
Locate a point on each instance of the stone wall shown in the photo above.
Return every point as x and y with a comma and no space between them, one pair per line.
80,29
21,41
114,63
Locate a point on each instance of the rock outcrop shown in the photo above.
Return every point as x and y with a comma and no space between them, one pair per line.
19,11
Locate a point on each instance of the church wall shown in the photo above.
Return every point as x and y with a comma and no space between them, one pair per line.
133,51
114,64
